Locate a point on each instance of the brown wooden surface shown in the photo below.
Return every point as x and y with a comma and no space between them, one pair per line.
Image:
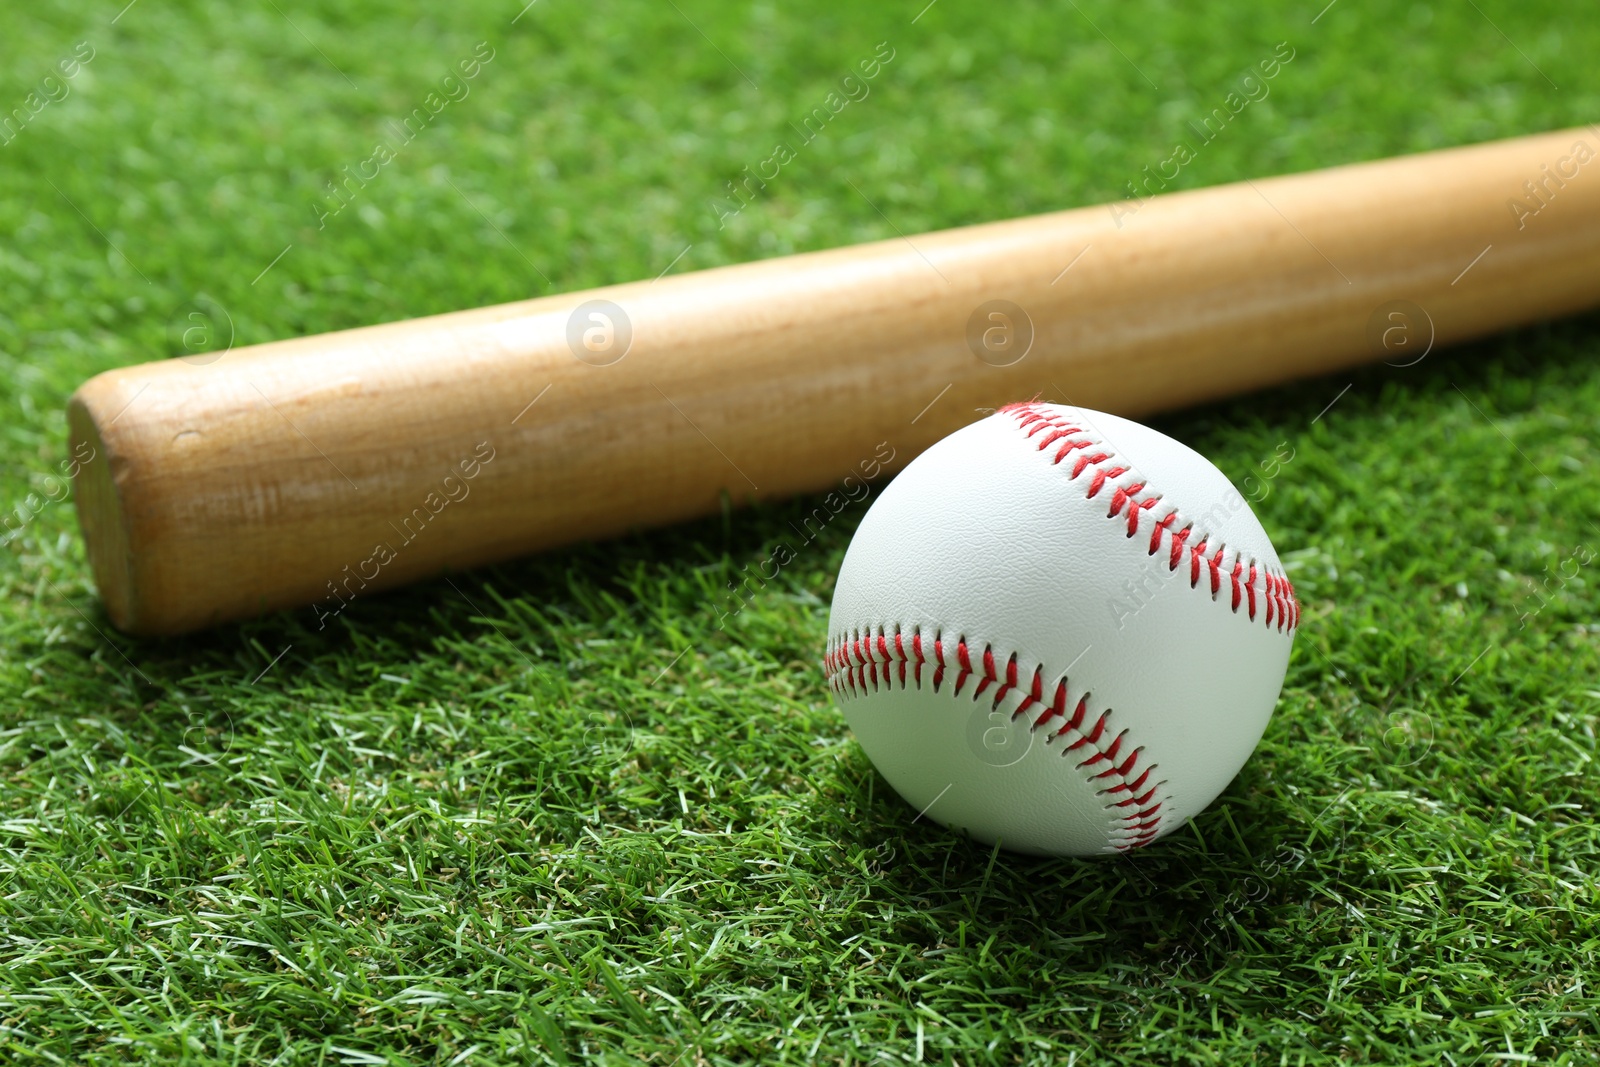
269,477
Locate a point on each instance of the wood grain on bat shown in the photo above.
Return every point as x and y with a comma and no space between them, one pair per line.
269,477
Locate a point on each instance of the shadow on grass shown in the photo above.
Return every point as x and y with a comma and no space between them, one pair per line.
1189,902
567,581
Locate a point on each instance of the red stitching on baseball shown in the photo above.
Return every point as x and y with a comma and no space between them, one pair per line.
1177,547
1155,534
1134,823
1275,590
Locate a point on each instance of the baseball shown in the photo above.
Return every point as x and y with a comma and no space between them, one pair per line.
1061,631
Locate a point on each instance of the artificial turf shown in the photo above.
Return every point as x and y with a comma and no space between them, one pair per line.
559,810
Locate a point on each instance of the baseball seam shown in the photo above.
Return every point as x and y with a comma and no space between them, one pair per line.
876,660
1248,579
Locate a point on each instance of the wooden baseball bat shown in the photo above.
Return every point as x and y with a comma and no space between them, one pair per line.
321,469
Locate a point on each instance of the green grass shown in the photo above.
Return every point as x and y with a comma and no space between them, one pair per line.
551,812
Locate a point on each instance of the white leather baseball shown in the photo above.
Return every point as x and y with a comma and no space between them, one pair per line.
1060,630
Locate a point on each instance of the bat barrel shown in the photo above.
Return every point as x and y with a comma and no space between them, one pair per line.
319,470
